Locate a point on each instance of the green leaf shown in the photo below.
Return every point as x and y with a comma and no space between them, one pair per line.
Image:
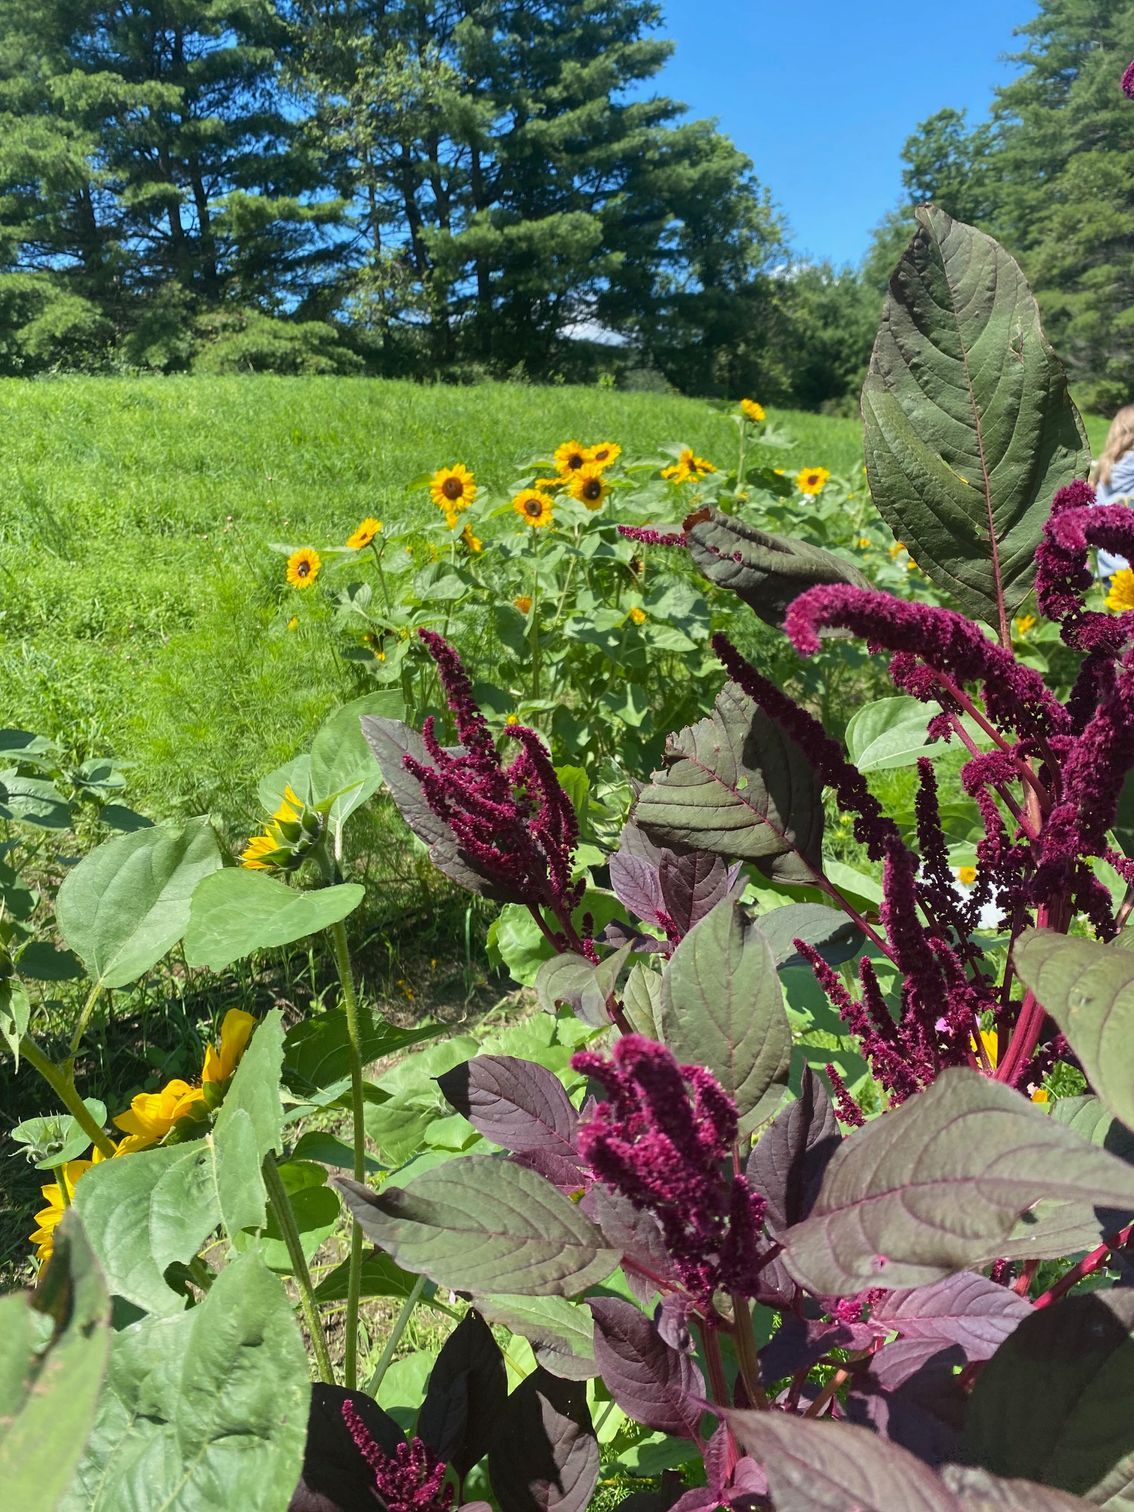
204,1410
479,1222
936,1187
49,1397
317,1051
1088,989
33,800
235,912
969,426
380,1277
722,1007
294,774
249,1124
342,761
315,1207
891,732
15,1012
735,785
582,985
128,901
561,1334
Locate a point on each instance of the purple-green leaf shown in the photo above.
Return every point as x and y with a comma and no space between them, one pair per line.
937,1186
653,1383
515,1103
666,887
786,1167
481,1224
965,1309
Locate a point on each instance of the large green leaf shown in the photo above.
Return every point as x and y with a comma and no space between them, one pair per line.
892,732
204,1410
249,1124
937,1186
1053,1403
341,759
1088,989
969,426
127,902
235,912
722,1007
481,1224
735,785
49,1396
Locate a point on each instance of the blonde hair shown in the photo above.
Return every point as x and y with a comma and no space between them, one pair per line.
1119,440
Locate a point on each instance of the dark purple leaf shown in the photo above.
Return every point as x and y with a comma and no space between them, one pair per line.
637,1237
515,1103
565,1174
544,1457
787,1164
467,1388
923,1414
799,1343
894,1364
1053,1403
668,888
672,1316
652,1383
335,1477
964,1309
774,1287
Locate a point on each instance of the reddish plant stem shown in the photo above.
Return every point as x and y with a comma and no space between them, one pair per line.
1086,1267
852,913
1024,1279
718,1386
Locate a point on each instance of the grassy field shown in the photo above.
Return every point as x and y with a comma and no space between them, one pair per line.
141,611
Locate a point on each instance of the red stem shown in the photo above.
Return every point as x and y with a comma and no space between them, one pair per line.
1085,1267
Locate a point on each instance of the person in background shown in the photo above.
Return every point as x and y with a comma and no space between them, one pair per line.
1114,477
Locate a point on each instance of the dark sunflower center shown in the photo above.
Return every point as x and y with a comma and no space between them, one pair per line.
602,454
452,488
304,569
533,508
575,460
592,489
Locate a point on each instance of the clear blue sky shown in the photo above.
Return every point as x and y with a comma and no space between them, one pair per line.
821,94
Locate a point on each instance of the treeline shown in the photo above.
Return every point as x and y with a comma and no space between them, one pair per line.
466,188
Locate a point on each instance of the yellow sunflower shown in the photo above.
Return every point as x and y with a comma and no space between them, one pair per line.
1025,623
474,543
812,480
1121,595
637,616
533,507
452,488
570,457
221,1060
365,533
273,848
303,567
604,454
151,1115
688,468
752,411
523,603
49,1218
589,487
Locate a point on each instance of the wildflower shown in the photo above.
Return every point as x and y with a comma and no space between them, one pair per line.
1121,595
1024,624
864,543
1041,1094
511,719
452,489
911,565
637,616
663,1138
688,468
471,542
588,486
812,480
293,622
59,1195
523,603
303,567
896,550
365,533
604,454
221,1060
533,507
570,457
752,411
152,1115
373,643
412,1479
966,875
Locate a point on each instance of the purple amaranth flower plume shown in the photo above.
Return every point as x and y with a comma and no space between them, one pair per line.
412,1479
1128,82
664,1138
513,823
648,536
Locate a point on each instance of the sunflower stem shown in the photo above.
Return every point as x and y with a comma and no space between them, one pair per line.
400,1324
289,1229
64,1089
354,1035
84,1019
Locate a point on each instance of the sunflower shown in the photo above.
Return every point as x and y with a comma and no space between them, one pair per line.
474,543
49,1218
570,457
752,411
1121,595
589,487
1025,623
303,567
966,875
688,468
637,616
533,507
365,533
286,839
604,454
452,488
812,480
151,1115
220,1060
523,603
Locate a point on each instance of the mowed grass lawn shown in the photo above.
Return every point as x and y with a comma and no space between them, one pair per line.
142,605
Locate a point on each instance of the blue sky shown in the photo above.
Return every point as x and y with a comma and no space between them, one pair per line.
821,95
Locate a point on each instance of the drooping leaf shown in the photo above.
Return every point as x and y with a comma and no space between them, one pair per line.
544,1457
561,1334
49,1397
766,571
981,1492
235,912
341,759
826,930
1053,1403
1088,989
482,1224
735,786
520,1106
636,1235
128,901
653,1383
317,1049
15,1014
380,1278
786,1165
335,1476
937,1185
204,1410
467,1390
722,1007
969,426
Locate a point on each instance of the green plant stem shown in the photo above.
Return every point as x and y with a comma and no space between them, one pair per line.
64,1089
285,1217
354,1034
84,1019
746,1352
399,1328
